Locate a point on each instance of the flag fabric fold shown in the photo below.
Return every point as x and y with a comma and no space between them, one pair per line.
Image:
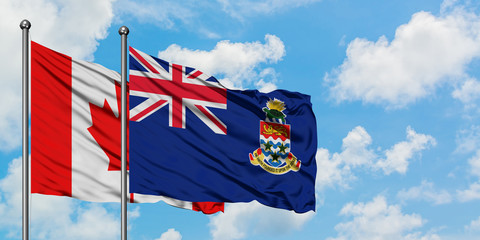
75,131
195,140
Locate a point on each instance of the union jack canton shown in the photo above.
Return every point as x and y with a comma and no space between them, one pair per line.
162,84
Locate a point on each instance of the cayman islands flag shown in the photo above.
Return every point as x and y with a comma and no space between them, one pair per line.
195,140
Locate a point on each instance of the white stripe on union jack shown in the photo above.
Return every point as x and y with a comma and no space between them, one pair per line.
177,89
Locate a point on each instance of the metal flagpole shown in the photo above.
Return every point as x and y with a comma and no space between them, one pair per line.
123,31
25,26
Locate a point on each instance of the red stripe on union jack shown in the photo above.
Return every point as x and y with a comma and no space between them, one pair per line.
177,89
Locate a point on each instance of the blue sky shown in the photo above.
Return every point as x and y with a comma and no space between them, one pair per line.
395,88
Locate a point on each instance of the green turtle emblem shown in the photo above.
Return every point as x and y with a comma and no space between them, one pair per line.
274,110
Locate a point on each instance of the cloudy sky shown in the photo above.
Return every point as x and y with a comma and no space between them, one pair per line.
395,88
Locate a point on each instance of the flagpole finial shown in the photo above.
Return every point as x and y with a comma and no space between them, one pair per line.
123,30
26,24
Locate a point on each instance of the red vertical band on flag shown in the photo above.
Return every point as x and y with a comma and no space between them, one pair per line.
208,207
177,105
51,134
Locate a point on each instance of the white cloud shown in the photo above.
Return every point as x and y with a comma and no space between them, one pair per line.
331,171
11,198
474,226
169,14
240,220
397,157
52,217
470,194
100,224
238,63
242,9
468,93
425,192
468,140
10,115
265,87
420,236
172,14
71,27
447,5
473,192
342,43
378,220
133,213
268,78
161,13
170,234
355,150
474,163
337,168
426,52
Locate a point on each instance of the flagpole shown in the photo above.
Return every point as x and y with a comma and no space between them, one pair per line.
123,31
25,26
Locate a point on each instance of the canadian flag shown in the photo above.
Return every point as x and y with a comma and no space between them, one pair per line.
75,131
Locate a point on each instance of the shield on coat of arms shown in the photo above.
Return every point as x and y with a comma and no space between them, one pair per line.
275,143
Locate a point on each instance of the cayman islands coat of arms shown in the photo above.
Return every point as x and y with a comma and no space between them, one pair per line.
274,154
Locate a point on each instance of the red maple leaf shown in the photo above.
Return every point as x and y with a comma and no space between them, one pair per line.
106,130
